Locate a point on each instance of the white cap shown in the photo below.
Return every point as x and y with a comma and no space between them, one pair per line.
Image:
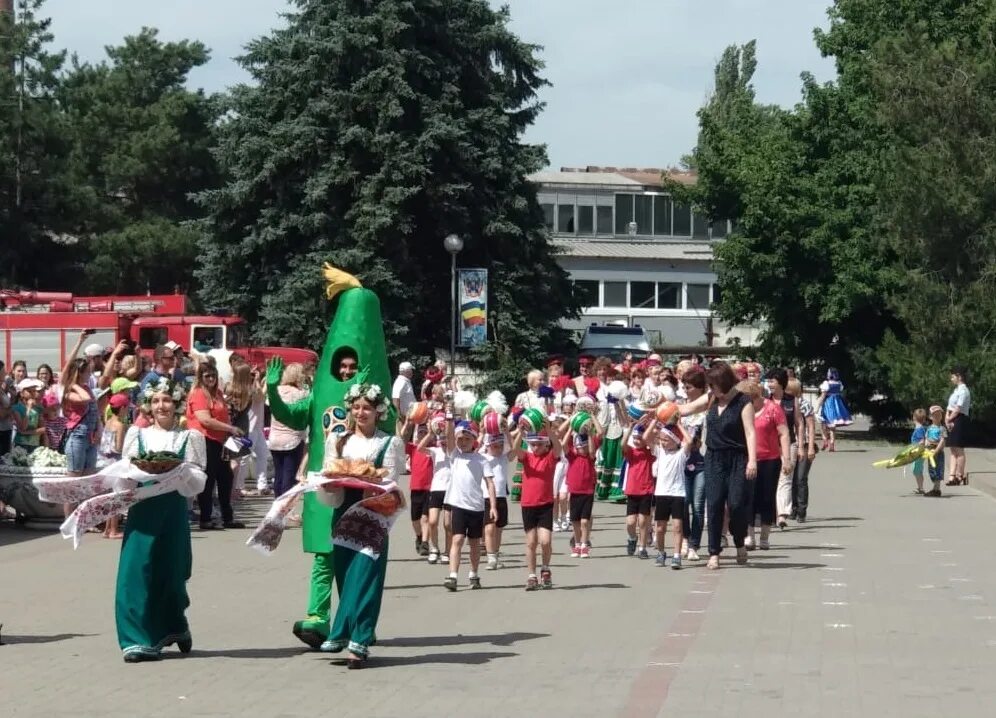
29,384
406,366
172,345
93,350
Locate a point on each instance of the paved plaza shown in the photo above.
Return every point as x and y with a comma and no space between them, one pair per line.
884,604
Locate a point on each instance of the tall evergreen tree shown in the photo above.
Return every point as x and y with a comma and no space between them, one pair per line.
35,195
375,129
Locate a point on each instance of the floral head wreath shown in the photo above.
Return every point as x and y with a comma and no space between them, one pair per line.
372,393
164,385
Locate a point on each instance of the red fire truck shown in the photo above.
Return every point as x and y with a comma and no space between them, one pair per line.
41,327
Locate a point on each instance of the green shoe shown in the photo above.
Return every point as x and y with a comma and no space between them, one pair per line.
313,631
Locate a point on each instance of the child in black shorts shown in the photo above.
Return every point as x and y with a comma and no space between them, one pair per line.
469,472
538,467
672,456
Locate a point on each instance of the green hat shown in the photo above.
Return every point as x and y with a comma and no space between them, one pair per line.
121,384
579,421
534,417
477,411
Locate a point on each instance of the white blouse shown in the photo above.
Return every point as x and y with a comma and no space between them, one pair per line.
360,447
155,439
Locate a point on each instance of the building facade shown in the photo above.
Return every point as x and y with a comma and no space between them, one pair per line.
635,255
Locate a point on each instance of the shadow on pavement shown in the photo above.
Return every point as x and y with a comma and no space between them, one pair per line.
476,659
285,652
11,534
800,566
55,638
497,639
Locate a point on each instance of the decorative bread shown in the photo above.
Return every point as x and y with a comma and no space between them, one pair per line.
356,468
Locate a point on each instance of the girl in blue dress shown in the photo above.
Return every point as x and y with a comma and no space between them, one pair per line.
831,408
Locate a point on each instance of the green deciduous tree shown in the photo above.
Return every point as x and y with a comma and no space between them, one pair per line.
141,146
372,132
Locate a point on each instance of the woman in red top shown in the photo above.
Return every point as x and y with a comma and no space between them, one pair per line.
207,413
773,460
538,466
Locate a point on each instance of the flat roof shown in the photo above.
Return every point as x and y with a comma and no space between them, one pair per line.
632,249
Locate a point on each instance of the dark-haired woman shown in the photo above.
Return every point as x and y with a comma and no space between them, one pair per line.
730,461
956,419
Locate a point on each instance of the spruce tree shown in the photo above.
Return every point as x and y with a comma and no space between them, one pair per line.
373,130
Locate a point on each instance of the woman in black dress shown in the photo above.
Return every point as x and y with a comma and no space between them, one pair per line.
730,461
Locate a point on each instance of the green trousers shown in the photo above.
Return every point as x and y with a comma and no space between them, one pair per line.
153,570
320,600
609,470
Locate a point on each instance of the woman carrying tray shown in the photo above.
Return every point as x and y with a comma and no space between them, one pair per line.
156,558
162,465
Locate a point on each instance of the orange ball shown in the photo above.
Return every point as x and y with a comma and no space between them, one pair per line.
418,413
667,413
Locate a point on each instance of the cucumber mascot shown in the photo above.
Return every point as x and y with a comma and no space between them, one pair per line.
356,331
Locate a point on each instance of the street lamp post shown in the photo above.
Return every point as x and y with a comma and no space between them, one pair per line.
454,245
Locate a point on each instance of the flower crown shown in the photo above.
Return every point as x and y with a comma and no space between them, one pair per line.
372,393
165,385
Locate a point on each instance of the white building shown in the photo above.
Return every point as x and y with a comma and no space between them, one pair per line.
638,256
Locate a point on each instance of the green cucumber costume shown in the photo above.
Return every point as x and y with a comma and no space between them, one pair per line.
358,328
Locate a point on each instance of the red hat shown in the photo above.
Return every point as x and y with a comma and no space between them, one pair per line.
119,401
433,374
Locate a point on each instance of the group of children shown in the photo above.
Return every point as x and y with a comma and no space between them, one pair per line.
929,431
460,479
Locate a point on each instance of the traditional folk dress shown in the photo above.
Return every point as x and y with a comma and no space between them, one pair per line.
609,458
360,568
156,559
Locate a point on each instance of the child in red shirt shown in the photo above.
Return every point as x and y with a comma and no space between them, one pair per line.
538,466
418,484
637,441
580,450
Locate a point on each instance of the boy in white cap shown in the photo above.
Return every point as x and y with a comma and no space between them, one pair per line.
469,471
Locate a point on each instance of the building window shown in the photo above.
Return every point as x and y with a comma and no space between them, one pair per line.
697,296
614,294
669,295
586,292
701,226
586,219
547,216
717,296
719,228
604,217
624,213
644,214
682,220
642,295
565,218
662,216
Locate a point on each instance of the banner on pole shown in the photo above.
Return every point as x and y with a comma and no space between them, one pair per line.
473,302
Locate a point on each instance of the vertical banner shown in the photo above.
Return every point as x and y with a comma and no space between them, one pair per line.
473,302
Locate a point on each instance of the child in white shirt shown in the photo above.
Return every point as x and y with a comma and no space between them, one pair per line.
437,492
498,449
669,492
470,472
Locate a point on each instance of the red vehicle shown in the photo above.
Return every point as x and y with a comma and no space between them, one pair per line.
41,327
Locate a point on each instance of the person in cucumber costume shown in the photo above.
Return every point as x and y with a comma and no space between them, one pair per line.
355,341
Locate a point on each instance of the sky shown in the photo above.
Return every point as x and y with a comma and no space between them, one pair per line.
627,75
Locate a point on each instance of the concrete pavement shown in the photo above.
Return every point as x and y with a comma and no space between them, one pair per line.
883,604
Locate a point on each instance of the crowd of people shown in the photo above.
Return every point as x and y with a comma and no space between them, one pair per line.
86,409
702,456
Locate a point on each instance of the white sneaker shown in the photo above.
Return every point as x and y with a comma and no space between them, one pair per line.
433,557
492,563
693,555
749,543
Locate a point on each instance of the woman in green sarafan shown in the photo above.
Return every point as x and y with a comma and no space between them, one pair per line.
156,558
356,340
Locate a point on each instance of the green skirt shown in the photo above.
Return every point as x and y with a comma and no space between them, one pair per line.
155,565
